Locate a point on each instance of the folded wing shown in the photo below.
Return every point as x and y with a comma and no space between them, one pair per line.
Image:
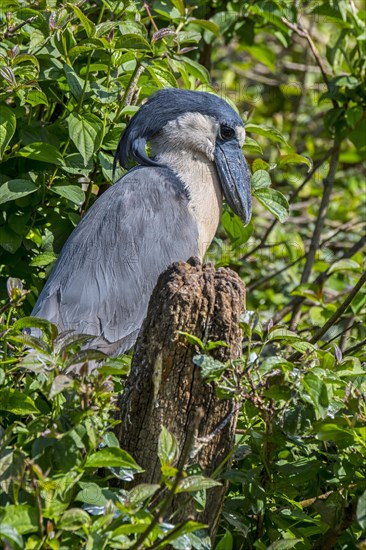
105,274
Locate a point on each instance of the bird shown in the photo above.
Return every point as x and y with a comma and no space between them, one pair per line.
165,209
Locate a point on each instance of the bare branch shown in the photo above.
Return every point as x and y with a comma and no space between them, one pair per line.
300,31
335,317
320,279
315,240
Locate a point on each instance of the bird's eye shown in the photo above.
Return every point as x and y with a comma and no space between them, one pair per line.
226,132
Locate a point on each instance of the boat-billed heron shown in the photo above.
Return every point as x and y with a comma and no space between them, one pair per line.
164,210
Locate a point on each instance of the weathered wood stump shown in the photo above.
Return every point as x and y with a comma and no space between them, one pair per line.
165,388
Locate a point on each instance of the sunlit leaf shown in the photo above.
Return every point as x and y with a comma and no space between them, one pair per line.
15,189
7,127
273,201
111,457
167,447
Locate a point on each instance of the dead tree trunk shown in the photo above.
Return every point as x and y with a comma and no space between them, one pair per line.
165,388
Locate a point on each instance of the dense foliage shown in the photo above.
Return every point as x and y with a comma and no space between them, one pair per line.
71,75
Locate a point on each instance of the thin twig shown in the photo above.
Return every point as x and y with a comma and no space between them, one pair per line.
353,7
356,347
147,8
339,334
339,312
315,240
133,84
12,30
335,317
262,280
305,34
319,280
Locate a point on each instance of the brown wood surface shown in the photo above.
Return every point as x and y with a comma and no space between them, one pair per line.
165,388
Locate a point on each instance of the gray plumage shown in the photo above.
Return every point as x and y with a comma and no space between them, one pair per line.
165,210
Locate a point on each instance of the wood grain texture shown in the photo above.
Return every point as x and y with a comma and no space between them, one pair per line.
165,388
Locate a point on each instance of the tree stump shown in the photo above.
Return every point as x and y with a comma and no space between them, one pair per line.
165,388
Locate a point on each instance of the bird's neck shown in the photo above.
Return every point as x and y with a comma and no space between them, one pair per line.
200,176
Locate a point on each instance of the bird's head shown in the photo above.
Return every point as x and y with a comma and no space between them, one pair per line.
197,121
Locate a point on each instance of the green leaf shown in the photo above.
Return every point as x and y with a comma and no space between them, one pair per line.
235,229
346,81
294,158
260,179
316,388
60,383
48,328
15,189
284,544
196,483
84,355
87,134
162,77
8,123
16,402
44,152
9,240
179,4
179,538
361,511
207,25
42,259
353,115
132,41
110,440
214,344
358,135
76,84
167,448
226,543
74,519
332,432
111,457
211,369
270,133
72,193
104,28
344,265
283,334
20,58
252,147
197,70
194,340
86,23
9,534
21,517
36,97
264,54
74,164
259,164
273,201
142,492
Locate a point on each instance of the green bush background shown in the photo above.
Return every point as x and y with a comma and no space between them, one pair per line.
71,76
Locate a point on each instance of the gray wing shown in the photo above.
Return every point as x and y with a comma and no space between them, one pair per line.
107,270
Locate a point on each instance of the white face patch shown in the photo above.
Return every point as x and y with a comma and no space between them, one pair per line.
190,132
240,135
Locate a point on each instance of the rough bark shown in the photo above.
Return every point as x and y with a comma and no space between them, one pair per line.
165,388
